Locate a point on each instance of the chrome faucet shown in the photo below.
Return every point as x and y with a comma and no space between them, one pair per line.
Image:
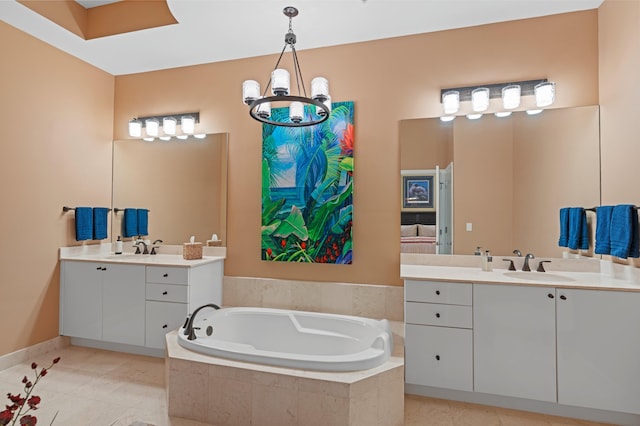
137,246
526,267
153,249
189,329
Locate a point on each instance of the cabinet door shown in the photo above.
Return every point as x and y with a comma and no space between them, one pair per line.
123,294
81,300
438,356
599,349
515,341
162,317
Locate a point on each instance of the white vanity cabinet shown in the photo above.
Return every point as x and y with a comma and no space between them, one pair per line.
514,335
438,337
599,349
133,304
102,301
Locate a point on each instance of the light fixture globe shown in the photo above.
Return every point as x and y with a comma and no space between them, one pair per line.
303,110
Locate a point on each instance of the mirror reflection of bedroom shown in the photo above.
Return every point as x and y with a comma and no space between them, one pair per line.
426,168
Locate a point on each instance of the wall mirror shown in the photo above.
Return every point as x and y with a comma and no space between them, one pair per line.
182,183
509,176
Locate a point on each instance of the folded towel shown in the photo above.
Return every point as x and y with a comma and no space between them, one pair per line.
84,223
130,223
564,227
100,215
603,230
578,229
143,222
624,231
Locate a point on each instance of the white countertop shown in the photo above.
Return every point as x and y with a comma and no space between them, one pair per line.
102,253
587,280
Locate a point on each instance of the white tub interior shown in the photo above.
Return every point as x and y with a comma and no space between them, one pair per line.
294,339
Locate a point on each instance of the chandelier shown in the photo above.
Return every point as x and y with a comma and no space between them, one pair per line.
319,104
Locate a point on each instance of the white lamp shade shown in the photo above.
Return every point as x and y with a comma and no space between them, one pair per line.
264,110
165,138
327,103
511,96
545,93
200,136
152,125
250,91
447,118
280,82
480,99
135,128
501,114
474,116
451,102
148,139
320,89
296,111
188,124
169,125
183,137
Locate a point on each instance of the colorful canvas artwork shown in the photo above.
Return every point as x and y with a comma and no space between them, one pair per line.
307,189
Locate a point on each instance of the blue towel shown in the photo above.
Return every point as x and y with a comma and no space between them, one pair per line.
143,222
564,227
603,230
578,229
100,215
624,231
84,223
130,223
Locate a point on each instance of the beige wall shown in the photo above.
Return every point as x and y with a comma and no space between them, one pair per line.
56,115
425,144
619,45
390,80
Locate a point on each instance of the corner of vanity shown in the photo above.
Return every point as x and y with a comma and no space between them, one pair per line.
129,302
564,344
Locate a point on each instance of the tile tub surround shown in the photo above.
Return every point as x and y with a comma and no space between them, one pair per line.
363,300
225,392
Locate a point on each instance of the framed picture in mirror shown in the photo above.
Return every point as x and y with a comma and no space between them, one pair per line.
417,192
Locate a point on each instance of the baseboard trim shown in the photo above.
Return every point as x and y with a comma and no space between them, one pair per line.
118,347
33,351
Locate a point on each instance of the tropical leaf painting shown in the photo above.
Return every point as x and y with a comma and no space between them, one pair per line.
307,189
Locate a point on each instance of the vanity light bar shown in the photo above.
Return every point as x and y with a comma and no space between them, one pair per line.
527,87
137,124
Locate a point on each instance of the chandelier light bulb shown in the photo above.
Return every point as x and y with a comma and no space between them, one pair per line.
135,128
250,91
451,102
480,99
153,126
264,110
280,82
296,112
188,124
511,96
169,125
320,89
545,93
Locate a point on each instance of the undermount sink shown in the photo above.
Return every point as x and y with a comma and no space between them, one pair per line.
538,276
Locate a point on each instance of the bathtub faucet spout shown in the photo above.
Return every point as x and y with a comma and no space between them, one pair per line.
189,330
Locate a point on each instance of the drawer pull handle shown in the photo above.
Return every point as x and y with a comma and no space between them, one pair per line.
98,268
165,326
563,297
104,269
437,292
437,357
164,293
165,275
550,296
437,315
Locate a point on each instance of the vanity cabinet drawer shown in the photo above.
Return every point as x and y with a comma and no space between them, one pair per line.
167,275
438,314
167,292
450,293
161,318
439,357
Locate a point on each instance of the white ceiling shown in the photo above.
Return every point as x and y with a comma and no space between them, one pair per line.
217,30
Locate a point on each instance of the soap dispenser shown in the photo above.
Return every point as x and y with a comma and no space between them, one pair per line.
118,249
487,262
